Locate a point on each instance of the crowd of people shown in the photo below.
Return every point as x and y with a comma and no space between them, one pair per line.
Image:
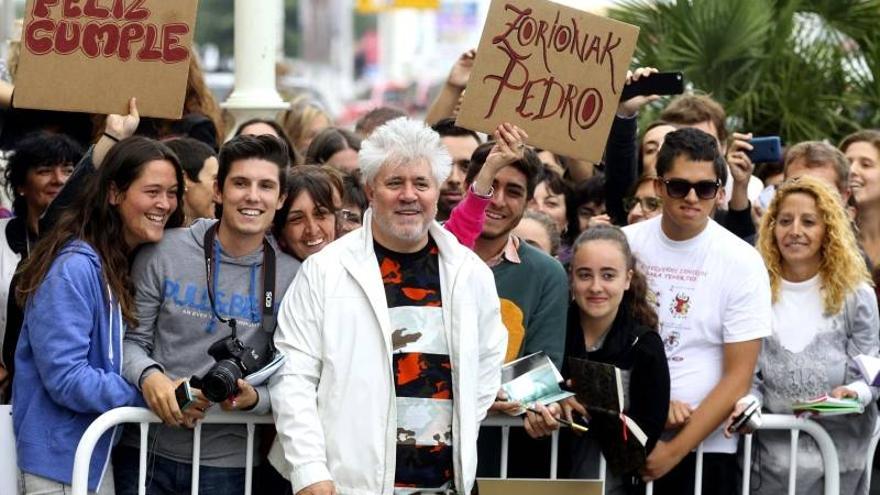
394,268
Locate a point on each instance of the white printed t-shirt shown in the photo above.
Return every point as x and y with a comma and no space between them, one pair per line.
710,290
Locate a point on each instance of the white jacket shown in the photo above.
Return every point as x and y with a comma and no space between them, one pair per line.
334,400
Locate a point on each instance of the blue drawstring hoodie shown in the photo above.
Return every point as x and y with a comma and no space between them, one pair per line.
68,363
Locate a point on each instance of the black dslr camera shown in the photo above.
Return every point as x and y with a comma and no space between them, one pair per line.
234,360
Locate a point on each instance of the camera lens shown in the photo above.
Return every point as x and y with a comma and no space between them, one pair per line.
221,382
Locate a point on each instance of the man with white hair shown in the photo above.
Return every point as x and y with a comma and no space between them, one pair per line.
393,338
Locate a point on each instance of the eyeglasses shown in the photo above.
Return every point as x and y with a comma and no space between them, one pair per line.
648,204
679,188
350,217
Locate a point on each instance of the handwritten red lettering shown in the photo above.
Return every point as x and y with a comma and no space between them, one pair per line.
66,37
41,7
171,49
106,28
71,9
38,36
137,13
92,9
130,33
100,40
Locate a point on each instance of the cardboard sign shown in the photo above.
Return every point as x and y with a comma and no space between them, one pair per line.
555,71
93,55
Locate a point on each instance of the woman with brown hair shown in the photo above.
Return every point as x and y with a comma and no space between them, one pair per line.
862,150
78,300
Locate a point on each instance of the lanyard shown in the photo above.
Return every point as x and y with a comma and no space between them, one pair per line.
267,322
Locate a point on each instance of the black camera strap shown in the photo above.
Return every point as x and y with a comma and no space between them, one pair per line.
267,322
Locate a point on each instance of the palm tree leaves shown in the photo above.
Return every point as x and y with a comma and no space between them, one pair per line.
803,69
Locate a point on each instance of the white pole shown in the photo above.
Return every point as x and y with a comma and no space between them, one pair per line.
256,49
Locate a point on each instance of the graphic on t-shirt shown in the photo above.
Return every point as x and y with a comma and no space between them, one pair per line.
671,340
422,369
512,317
680,305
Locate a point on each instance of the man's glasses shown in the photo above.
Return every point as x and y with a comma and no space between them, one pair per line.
649,204
679,188
351,218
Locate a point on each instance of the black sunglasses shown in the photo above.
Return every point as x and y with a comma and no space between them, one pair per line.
679,188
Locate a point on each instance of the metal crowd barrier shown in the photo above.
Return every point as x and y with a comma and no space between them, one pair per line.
144,417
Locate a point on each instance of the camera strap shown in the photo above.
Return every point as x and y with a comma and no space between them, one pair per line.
267,322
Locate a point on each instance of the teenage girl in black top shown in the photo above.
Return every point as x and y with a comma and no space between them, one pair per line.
611,321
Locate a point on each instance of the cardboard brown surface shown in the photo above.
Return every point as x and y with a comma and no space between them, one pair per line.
93,55
539,487
555,71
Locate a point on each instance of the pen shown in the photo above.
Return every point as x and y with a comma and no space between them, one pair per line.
574,426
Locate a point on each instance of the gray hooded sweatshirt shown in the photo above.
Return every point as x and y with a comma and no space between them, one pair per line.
176,326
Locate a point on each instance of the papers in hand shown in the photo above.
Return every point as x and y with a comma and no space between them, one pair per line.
825,405
870,368
532,379
260,376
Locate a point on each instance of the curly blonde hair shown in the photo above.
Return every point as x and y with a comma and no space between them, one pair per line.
842,267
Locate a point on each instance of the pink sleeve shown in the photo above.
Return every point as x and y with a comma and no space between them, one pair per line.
466,219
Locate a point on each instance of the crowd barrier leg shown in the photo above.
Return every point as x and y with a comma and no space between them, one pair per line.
142,459
747,464
792,468
505,443
698,472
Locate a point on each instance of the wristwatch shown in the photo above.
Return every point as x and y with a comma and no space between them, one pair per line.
488,195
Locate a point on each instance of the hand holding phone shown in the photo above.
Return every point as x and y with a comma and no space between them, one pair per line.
766,149
184,395
658,83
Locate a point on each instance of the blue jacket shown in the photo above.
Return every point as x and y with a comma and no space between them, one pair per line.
67,363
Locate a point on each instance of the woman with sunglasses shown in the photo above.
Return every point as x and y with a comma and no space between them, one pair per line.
644,202
824,315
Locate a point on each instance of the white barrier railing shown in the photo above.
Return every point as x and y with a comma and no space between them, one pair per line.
144,417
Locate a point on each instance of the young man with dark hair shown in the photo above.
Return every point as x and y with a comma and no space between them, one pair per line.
200,165
712,296
460,143
702,112
196,287
533,289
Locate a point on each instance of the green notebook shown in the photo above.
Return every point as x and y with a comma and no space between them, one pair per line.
826,405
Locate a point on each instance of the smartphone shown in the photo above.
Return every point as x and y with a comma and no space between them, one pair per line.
184,396
766,149
743,418
661,83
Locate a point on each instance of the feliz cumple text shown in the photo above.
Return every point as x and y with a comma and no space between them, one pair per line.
546,96
106,28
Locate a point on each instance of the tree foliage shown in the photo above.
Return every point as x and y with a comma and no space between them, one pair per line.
801,69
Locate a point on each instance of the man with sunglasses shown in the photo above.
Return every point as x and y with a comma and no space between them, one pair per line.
712,296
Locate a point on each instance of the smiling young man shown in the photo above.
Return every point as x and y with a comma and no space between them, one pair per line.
533,289
181,312
712,296
393,338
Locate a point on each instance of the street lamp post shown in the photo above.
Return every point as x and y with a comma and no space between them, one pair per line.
256,51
